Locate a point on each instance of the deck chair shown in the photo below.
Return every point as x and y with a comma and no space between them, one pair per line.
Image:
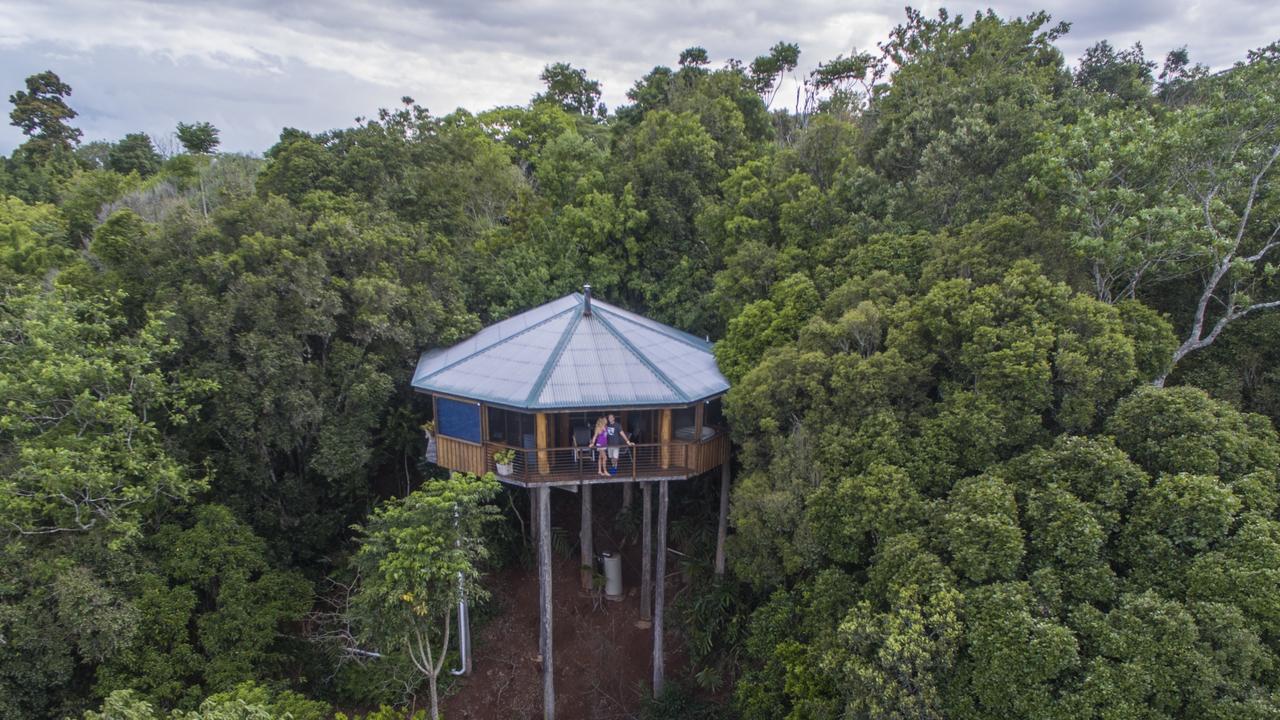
582,448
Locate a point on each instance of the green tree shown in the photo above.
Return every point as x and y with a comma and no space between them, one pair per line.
135,153
1108,178
246,702
198,138
32,240
211,616
693,57
961,109
1125,75
570,88
1224,154
1181,195
81,400
416,555
767,71
41,112
896,662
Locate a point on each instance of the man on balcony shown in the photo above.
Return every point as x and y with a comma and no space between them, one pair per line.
617,436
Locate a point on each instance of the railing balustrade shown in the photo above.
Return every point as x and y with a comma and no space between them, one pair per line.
636,461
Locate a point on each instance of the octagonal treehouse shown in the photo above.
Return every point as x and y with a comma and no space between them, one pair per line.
524,398
535,384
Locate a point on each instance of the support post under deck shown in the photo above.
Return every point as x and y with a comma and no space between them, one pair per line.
646,550
660,584
722,532
585,539
544,596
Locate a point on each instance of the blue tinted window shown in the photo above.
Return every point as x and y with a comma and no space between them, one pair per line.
458,419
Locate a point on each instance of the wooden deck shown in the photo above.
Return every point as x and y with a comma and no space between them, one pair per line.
573,466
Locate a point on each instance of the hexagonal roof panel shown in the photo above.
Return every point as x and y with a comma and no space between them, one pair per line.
559,356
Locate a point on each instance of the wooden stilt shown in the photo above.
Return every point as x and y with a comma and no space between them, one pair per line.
627,495
659,599
544,593
646,549
585,538
722,533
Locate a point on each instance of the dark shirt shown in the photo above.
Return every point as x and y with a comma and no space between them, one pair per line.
615,433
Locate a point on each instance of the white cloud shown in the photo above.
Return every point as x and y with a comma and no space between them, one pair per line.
253,68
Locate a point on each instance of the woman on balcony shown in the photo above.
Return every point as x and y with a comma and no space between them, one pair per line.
600,438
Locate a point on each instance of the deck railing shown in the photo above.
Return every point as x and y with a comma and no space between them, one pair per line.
638,461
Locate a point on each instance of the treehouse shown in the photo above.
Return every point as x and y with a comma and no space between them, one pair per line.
529,391
536,383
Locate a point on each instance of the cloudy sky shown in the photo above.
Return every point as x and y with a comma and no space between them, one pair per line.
252,68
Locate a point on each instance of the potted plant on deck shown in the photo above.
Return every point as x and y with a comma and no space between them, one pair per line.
429,432
504,459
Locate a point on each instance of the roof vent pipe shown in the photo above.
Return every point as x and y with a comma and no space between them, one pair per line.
586,301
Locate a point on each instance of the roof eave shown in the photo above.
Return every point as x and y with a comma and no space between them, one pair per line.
574,407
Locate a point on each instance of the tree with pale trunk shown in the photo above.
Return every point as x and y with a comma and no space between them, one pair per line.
1187,196
416,555
1224,159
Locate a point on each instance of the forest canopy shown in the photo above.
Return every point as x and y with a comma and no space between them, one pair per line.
1003,333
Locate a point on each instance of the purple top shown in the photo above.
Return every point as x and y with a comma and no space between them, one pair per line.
602,439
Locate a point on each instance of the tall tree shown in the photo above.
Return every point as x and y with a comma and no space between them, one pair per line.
1188,194
416,557
570,88
198,138
80,402
135,153
1224,155
767,71
41,112
963,106
1125,75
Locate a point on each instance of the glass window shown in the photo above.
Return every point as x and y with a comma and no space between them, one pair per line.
713,416
683,419
512,428
640,426
458,419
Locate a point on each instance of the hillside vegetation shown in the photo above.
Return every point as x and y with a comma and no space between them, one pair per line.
1003,333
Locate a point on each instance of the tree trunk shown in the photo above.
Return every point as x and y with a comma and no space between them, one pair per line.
435,697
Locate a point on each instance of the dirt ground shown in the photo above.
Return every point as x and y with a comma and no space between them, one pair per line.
603,661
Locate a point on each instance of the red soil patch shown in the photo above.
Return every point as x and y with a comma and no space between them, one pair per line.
603,662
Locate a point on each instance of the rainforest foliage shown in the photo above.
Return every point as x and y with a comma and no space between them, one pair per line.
1005,380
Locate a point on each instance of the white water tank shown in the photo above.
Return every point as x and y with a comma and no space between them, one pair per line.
612,575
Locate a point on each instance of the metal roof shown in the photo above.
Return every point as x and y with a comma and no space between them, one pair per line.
557,357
